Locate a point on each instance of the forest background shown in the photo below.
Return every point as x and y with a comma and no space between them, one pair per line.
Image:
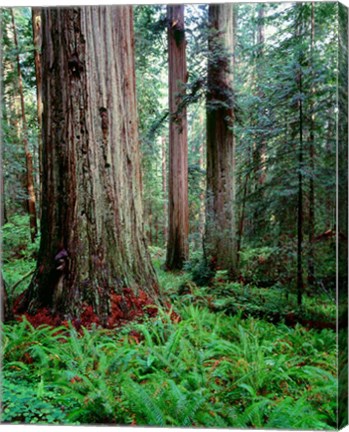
244,303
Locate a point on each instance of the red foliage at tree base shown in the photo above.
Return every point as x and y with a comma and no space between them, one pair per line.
124,307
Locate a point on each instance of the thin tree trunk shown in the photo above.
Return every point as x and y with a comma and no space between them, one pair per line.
300,283
164,185
262,143
36,24
6,313
242,217
220,236
177,244
202,193
93,242
150,224
311,235
28,156
2,191
260,147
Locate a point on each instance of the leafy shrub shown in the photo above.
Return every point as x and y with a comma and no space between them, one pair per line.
264,266
16,239
25,402
19,253
200,269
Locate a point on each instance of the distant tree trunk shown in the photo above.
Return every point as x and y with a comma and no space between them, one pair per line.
2,191
36,24
178,230
300,283
150,224
220,236
202,193
6,312
311,235
242,217
262,144
93,242
260,147
330,149
164,185
28,156
300,216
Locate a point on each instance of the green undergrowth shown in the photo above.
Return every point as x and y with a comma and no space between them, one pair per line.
207,369
19,254
206,365
274,304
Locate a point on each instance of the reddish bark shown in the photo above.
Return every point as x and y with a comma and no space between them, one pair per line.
93,240
220,236
178,229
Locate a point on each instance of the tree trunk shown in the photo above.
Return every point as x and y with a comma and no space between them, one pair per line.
6,311
36,24
164,185
300,283
311,234
242,217
150,224
262,143
260,146
93,243
28,156
220,236
203,186
299,82
178,229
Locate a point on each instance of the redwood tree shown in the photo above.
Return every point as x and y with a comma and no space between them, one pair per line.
220,236
178,229
92,243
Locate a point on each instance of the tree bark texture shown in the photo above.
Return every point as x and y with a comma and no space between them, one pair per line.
220,236
178,230
31,207
93,242
36,24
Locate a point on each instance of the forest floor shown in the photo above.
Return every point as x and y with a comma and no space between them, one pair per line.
224,355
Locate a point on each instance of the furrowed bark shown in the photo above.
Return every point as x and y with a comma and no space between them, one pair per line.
93,242
220,236
178,229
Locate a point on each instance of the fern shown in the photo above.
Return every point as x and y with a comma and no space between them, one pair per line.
145,406
303,416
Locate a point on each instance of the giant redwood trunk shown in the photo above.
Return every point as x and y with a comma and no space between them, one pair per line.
92,244
178,230
220,236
